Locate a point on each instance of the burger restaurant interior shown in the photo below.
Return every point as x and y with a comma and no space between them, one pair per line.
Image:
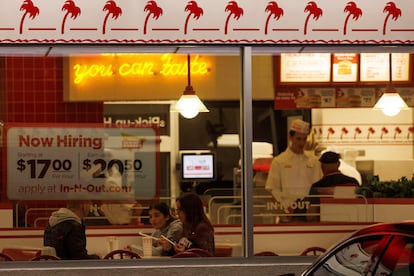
248,98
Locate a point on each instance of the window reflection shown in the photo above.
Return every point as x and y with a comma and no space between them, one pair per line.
353,259
378,255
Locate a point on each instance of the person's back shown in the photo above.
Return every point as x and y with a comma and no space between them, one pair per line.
333,177
66,233
326,185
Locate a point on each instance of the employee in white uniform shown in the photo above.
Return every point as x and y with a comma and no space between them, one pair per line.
293,171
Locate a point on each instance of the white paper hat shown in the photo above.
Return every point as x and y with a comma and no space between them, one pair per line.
300,126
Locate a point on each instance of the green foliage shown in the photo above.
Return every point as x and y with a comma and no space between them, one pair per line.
374,188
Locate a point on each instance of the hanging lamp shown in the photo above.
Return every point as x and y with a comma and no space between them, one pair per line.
390,102
189,104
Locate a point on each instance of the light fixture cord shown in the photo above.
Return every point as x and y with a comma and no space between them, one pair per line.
390,61
188,70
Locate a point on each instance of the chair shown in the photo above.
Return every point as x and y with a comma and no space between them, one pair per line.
122,254
5,258
266,253
223,251
21,254
315,251
186,254
201,252
45,258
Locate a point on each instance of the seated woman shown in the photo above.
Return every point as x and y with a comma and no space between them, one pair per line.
165,225
198,232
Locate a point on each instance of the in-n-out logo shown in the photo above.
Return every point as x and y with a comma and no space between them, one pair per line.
150,121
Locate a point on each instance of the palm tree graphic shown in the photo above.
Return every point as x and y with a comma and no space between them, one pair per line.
352,10
29,9
273,9
152,8
112,9
393,11
314,10
194,10
72,10
234,10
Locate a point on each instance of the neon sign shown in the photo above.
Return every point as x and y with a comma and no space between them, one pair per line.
167,66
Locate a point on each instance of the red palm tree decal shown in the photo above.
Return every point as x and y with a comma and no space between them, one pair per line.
331,131
194,10
370,131
233,9
112,9
410,131
344,131
273,9
393,11
397,131
357,132
72,10
29,9
314,10
384,131
352,10
152,8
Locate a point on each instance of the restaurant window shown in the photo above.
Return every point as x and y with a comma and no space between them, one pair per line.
84,125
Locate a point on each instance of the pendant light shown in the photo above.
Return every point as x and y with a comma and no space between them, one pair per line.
390,103
189,105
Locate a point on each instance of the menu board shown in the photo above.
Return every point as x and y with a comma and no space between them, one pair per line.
326,97
400,67
341,68
375,67
345,67
305,67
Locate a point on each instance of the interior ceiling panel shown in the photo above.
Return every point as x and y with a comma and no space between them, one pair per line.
67,50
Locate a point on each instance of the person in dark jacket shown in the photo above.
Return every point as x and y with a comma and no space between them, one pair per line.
332,177
65,232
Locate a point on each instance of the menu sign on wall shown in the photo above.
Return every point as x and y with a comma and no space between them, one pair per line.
345,67
375,67
328,97
353,80
47,163
308,67
299,68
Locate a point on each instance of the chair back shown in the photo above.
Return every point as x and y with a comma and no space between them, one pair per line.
5,258
313,251
201,252
186,254
45,258
122,254
21,254
266,253
223,251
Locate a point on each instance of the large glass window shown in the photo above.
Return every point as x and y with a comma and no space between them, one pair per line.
56,109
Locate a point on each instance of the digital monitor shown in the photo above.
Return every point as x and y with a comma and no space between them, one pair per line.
198,166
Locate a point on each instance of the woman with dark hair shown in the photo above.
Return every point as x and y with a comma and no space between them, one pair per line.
165,225
198,232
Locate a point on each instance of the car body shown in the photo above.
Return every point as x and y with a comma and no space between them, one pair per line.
380,249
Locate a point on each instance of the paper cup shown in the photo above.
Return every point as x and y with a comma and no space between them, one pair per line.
147,246
112,244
